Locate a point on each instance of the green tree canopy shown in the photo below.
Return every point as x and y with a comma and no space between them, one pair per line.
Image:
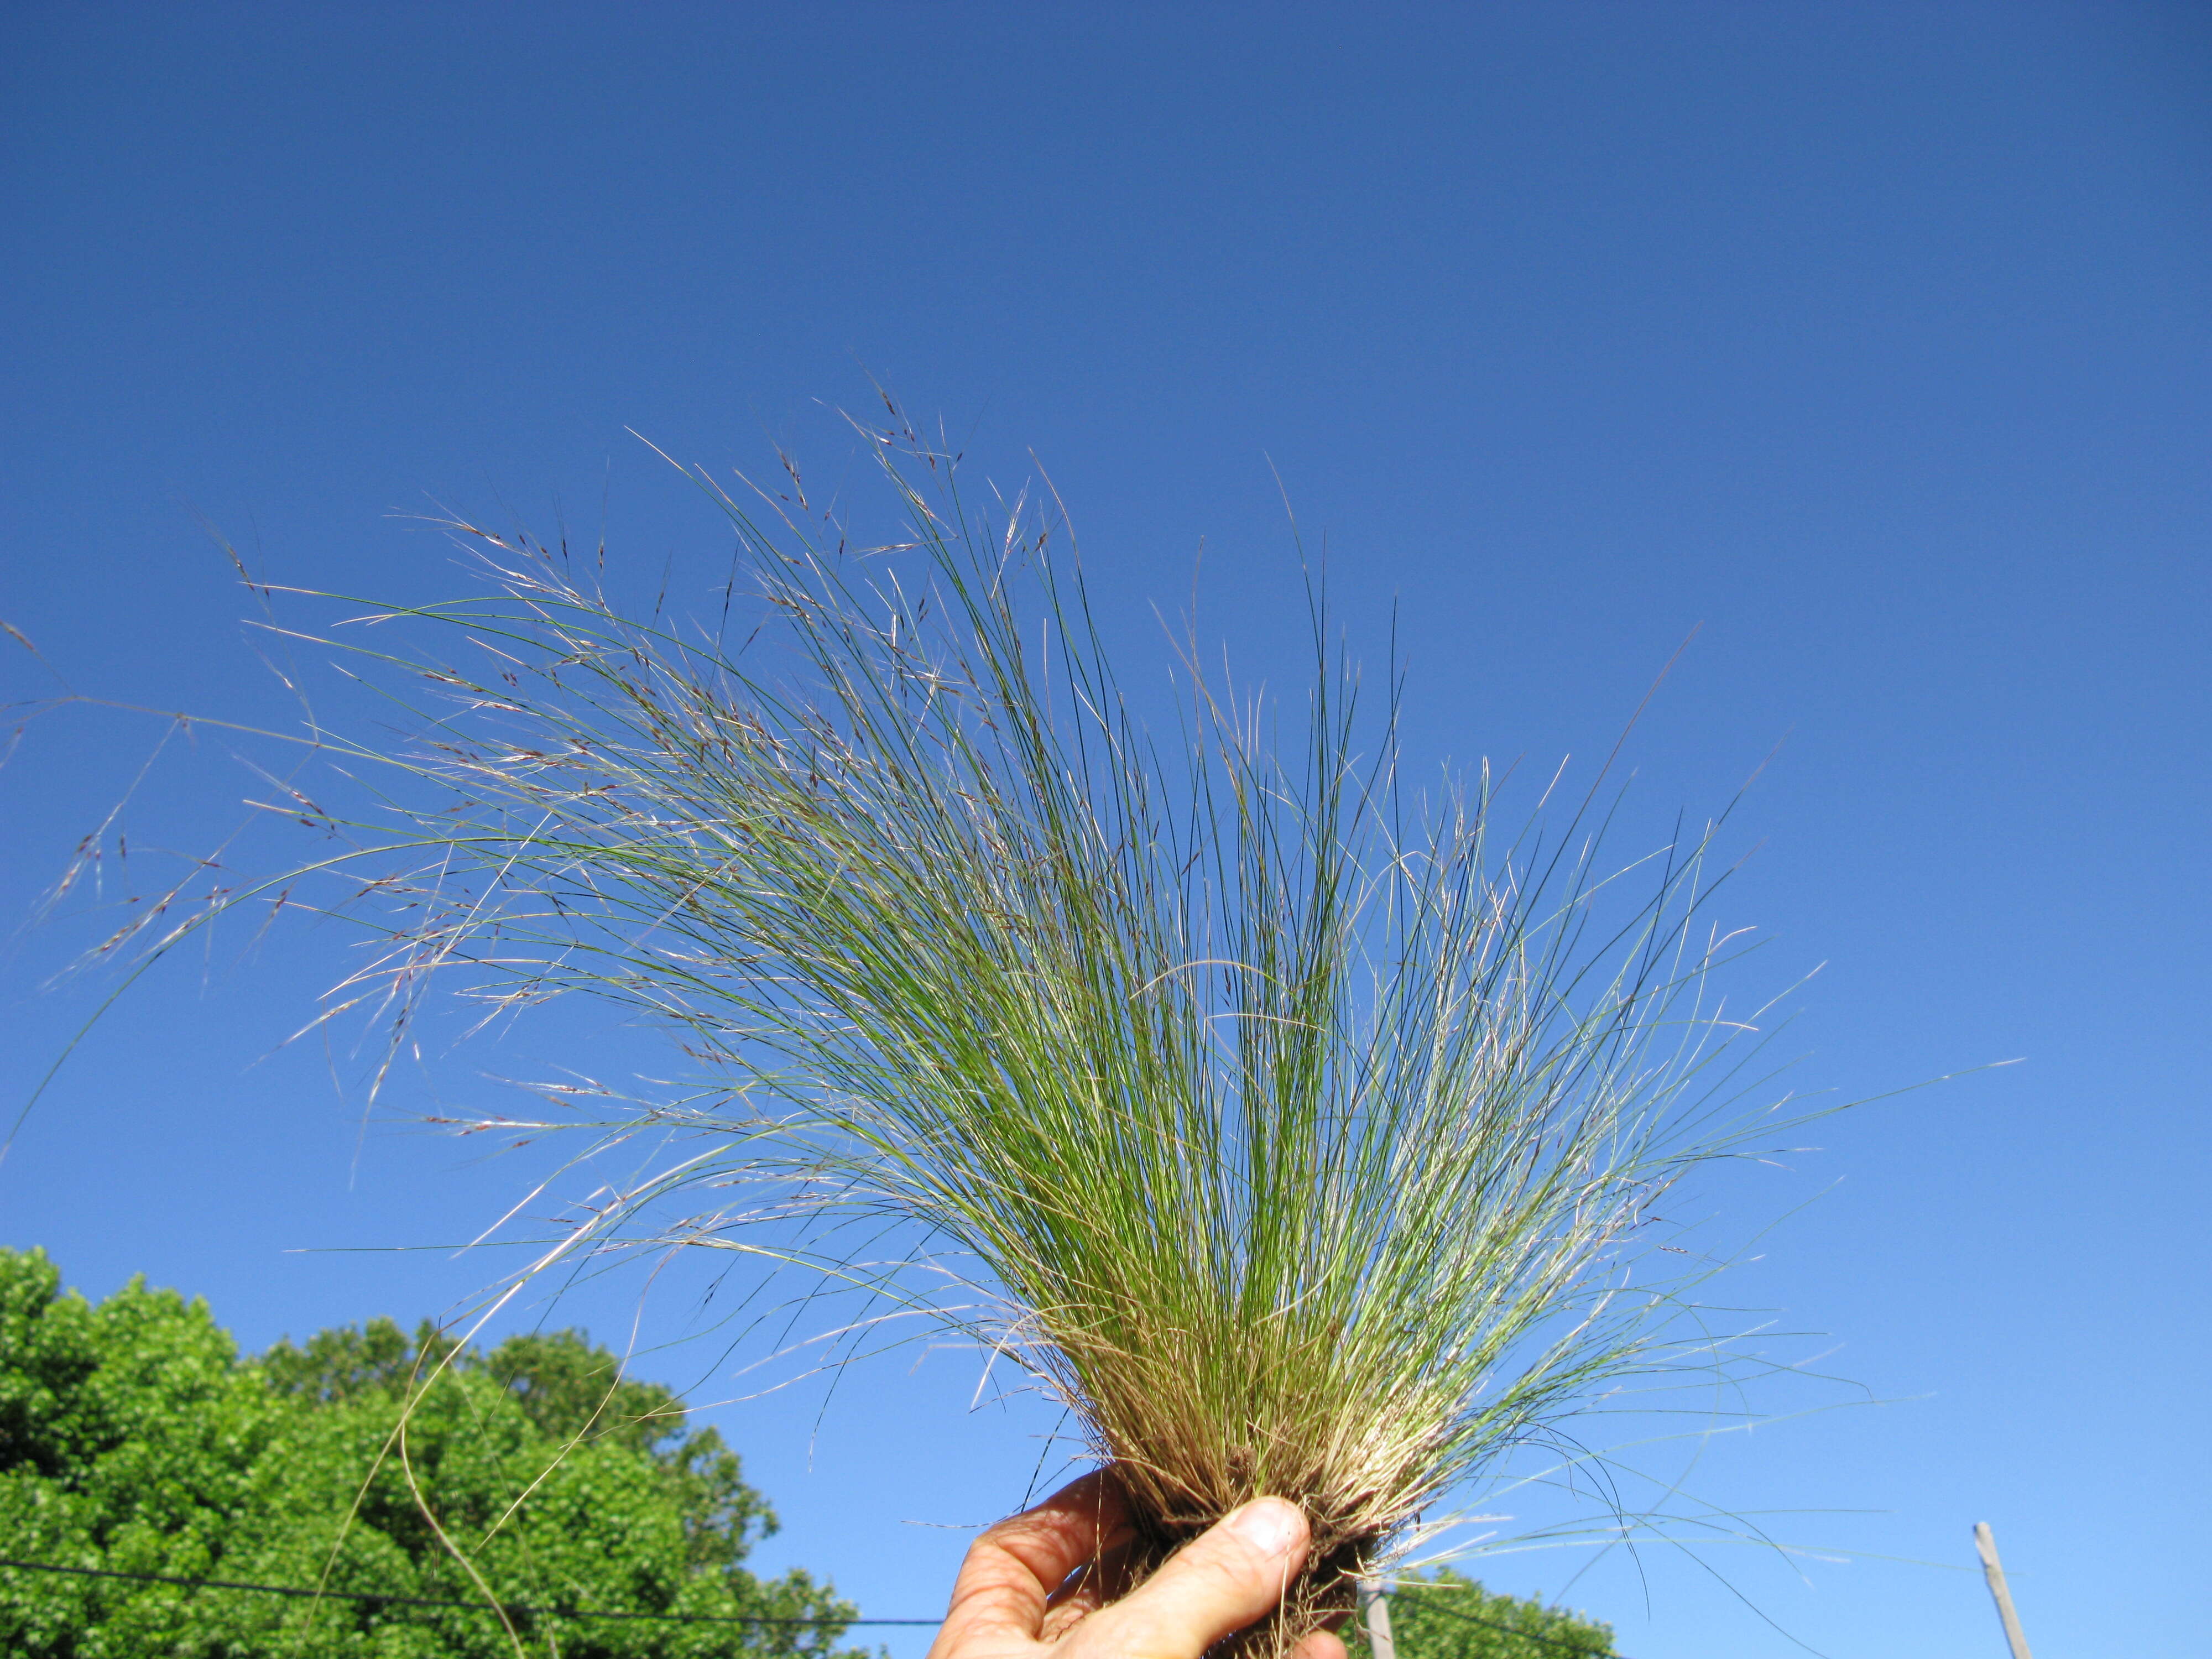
134,1438
1443,1614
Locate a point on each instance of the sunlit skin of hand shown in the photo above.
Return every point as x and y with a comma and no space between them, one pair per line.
1040,1586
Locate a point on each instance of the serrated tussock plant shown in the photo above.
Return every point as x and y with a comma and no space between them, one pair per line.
1297,1131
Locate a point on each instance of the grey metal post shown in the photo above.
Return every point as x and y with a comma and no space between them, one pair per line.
1993,1570
1374,1609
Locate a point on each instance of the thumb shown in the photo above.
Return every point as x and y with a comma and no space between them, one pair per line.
1223,1580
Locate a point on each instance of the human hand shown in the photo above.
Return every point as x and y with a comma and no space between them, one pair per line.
1039,1586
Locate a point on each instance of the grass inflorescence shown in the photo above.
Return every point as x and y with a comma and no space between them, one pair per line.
1295,1129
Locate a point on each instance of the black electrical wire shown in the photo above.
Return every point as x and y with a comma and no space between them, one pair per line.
382,1598
443,1601
1584,1648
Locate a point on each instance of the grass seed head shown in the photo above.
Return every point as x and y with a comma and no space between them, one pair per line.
1296,1130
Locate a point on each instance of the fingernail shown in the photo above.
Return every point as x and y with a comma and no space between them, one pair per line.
1269,1525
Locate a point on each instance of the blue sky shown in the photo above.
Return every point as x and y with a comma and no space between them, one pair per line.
1869,342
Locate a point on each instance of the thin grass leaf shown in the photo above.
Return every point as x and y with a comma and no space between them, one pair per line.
1297,1131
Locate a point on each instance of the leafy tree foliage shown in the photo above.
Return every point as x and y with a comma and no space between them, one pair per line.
134,1438
1446,1615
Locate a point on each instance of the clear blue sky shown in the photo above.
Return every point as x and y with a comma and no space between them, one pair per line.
1871,338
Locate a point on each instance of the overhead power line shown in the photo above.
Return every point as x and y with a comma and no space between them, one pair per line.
1584,1648
386,1599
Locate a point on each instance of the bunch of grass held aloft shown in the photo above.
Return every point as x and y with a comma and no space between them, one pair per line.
1292,1133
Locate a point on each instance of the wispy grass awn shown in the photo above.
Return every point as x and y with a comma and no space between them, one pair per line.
1296,1131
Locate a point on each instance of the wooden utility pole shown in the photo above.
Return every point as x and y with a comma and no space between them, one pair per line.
1993,1570
1374,1609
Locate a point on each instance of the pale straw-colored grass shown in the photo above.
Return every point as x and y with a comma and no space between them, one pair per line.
1299,1136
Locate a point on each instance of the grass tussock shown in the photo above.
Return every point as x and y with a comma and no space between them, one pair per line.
1297,1131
